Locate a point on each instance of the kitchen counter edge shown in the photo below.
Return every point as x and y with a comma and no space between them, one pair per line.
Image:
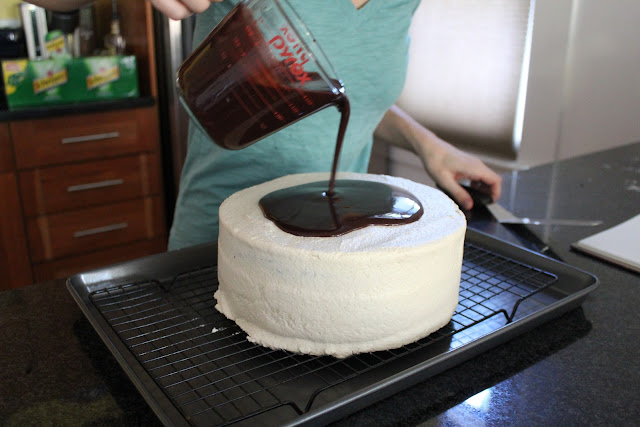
47,111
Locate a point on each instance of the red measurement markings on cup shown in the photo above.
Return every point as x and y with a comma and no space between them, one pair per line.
295,58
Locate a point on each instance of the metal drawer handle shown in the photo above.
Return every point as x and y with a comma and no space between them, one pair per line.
94,185
94,137
98,230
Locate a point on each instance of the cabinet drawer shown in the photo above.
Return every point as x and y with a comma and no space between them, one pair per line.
86,136
66,267
58,235
81,185
6,154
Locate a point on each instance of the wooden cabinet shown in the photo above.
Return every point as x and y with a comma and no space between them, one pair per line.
79,192
83,190
90,188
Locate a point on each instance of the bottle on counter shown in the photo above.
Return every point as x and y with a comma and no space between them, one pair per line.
86,35
114,42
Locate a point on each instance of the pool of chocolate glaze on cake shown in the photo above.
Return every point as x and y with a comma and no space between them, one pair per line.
310,210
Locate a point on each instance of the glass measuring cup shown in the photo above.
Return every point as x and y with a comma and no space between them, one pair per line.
258,71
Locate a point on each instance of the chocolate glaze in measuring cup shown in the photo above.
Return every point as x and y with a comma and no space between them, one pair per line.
239,91
241,87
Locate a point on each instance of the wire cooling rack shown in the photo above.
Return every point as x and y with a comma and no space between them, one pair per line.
203,366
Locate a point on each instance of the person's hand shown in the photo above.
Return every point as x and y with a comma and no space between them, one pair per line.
180,9
448,165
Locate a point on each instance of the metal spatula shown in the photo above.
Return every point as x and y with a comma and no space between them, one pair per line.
505,217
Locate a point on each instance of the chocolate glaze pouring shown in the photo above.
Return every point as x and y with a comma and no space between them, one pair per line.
269,89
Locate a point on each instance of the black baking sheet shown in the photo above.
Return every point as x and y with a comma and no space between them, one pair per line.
195,367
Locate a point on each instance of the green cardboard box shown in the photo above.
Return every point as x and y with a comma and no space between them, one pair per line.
64,80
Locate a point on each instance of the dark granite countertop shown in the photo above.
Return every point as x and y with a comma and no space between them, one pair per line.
579,369
75,108
55,370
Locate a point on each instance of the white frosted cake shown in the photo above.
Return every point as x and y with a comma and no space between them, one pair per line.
376,288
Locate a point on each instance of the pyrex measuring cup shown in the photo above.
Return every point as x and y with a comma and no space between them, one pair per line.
258,71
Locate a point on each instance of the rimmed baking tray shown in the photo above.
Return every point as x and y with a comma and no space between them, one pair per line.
195,367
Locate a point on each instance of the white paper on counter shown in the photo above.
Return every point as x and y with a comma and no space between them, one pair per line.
619,244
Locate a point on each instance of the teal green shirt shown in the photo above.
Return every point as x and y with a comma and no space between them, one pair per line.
368,49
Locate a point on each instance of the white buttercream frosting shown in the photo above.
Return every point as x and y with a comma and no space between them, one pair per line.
375,288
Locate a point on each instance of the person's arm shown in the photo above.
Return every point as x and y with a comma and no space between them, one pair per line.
174,9
445,164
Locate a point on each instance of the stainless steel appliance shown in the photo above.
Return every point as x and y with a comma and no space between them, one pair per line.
173,44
